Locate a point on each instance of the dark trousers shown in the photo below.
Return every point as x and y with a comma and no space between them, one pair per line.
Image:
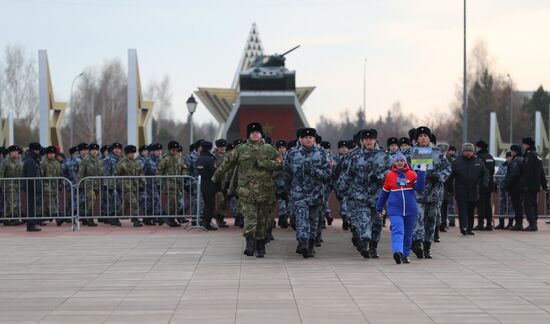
484,209
444,212
530,205
466,214
209,205
518,206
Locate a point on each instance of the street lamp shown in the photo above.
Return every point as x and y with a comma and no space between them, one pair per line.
365,89
509,77
465,88
71,105
191,106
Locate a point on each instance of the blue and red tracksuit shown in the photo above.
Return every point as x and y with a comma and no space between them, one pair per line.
398,192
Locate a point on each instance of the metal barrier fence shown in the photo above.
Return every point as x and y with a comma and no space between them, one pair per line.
110,198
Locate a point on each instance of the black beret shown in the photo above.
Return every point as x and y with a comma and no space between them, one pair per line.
105,148
343,143
206,145
280,143
404,140
13,148
73,150
116,145
482,145
369,133
35,146
422,130
325,145
173,145
254,127
528,141
82,146
93,147
130,149
307,132
392,140
291,144
143,148
50,149
221,142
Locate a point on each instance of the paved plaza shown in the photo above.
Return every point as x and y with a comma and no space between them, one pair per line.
164,275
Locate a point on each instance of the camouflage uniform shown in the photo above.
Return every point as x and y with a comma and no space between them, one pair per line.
111,197
50,168
305,174
11,167
143,193
130,187
221,196
152,205
171,165
256,163
429,201
90,167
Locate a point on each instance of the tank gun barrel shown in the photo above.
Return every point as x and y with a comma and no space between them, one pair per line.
290,50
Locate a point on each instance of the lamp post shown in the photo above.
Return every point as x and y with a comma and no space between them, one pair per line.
509,77
71,105
465,88
365,89
191,106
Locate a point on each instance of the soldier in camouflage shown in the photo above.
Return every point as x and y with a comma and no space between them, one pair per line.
152,205
91,166
171,165
111,200
428,200
131,187
221,195
256,162
305,174
50,168
143,153
282,199
11,167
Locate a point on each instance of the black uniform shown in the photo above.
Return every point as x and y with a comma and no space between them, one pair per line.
468,175
532,179
513,187
484,205
205,168
31,169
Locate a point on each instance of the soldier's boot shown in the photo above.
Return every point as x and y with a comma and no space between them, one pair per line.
397,256
149,221
405,259
517,227
292,224
310,248
384,220
373,249
442,228
417,249
489,226
260,248
304,245
239,220
299,248
427,250
329,220
323,223
91,222
318,240
250,245
208,225
220,222
479,226
345,225
115,222
136,222
283,221
269,236
510,224
532,227
172,222
355,240
436,235
363,247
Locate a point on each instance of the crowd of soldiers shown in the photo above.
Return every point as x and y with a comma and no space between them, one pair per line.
257,179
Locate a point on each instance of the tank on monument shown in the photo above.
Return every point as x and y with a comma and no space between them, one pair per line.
268,72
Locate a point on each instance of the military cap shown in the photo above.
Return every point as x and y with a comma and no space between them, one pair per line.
35,146
105,148
392,140
422,130
20,150
180,148
325,145
516,148
318,139
343,143
508,154
298,132
173,145
82,146
155,147
143,148
93,146
116,145
280,143
230,147
307,132
221,142
433,138
254,127
528,141
453,148
404,140
369,133
268,140
61,155
467,147
206,145
412,134
291,144
73,150
191,147
238,141
50,149
5,151
130,149
482,145
198,143
13,148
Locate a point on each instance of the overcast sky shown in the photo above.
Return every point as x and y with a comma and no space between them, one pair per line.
414,48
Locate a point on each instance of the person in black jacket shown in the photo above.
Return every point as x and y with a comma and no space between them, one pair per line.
512,185
205,168
532,179
484,204
31,169
468,174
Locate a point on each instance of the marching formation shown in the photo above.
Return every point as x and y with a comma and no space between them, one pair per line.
414,183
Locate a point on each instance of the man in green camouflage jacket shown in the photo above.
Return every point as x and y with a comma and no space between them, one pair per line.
130,167
91,166
11,167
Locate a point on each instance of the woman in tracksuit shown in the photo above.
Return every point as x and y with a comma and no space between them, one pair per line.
398,192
